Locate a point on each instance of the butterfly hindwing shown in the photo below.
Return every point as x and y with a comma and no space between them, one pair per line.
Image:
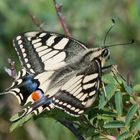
80,91
44,51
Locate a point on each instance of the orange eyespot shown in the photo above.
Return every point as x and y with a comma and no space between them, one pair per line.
36,95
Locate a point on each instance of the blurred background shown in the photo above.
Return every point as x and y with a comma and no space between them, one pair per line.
88,21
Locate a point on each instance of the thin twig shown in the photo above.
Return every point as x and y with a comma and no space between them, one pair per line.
128,79
115,72
72,128
36,22
12,70
61,18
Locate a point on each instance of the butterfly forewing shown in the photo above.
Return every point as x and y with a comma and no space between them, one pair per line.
44,51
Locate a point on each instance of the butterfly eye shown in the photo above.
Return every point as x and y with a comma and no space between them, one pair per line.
105,53
37,95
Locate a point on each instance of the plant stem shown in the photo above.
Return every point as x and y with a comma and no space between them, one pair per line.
36,22
61,18
11,71
72,128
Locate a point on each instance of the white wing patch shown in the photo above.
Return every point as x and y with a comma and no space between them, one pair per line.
24,55
61,44
36,40
77,91
90,77
42,34
53,91
31,34
23,50
89,85
26,60
39,49
43,77
83,97
71,82
41,53
49,55
19,95
80,95
19,42
37,44
18,37
50,41
44,80
92,93
55,62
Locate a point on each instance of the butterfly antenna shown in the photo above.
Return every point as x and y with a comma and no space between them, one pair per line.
113,23
107,46
2,93
127,43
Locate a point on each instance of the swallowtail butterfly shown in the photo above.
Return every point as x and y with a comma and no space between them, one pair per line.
58,71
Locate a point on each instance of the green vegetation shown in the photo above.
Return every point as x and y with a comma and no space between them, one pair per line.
118,113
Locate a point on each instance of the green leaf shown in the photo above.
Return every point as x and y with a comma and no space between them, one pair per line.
90,132
136,88
108,78
104,117
118,103
124,136
127,88
131,113
110,89
114,124
102,101
136,126
20,122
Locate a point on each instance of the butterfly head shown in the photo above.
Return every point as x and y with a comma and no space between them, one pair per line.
105,55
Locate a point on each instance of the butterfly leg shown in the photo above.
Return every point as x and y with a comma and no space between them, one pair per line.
106,69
